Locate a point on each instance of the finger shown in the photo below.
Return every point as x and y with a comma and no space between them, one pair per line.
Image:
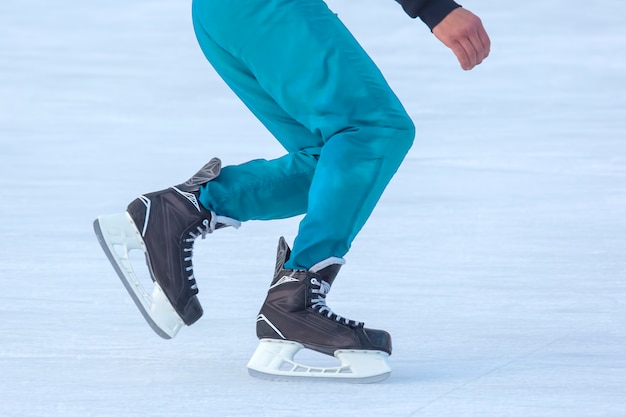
479,48
484,39
461,55
470,53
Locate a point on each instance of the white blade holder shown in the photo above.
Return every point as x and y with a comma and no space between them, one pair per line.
118,236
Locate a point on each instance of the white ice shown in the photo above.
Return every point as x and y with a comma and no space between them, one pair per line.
496,258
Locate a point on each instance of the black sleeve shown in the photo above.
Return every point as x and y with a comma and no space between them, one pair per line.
430,11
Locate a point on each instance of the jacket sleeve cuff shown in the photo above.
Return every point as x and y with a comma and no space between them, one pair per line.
430,12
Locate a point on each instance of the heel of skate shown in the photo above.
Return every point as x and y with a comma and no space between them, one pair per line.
118,237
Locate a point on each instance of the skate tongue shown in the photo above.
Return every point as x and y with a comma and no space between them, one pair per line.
327,270
207,173
333,264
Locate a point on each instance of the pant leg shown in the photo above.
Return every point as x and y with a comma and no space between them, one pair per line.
312,85
258,189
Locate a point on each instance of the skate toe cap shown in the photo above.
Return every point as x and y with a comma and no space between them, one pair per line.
379,339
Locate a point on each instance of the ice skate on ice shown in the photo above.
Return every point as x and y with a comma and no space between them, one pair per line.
163,225
295,316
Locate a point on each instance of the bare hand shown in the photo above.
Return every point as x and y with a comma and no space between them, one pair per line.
463,32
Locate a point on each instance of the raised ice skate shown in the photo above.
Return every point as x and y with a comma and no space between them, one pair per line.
163,225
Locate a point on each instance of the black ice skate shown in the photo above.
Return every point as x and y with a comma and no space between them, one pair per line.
163,225
295,316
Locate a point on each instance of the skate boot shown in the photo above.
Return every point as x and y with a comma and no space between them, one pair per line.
295,316
164,225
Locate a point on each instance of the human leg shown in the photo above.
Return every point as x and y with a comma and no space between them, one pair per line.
258,189
307,79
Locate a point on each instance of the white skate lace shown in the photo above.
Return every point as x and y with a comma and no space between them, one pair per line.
206,227
319,304
201,230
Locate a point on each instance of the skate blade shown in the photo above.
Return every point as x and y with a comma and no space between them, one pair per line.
274,360
118,236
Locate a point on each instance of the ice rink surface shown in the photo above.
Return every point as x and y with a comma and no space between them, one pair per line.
496,258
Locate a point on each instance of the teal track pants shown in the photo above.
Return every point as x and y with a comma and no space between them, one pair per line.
304,76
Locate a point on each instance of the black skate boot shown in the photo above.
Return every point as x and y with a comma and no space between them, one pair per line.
295,315
166,223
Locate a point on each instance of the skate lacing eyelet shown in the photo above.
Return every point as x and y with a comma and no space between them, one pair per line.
203,229
319,304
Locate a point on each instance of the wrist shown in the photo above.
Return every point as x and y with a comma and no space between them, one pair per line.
430,12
